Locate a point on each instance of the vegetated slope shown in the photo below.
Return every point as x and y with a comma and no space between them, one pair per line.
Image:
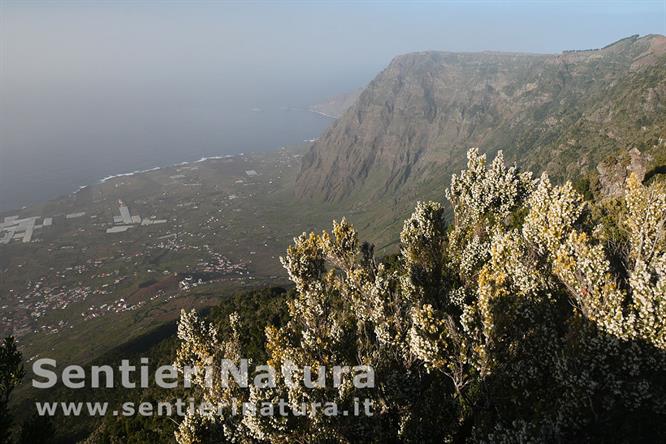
256,309
410,129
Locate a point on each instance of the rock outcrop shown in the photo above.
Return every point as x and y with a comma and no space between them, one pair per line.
613,173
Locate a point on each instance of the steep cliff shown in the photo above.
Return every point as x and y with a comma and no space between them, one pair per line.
562,113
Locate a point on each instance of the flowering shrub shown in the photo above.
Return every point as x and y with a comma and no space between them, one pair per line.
516,323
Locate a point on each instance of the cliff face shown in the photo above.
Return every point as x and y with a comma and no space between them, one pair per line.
561,113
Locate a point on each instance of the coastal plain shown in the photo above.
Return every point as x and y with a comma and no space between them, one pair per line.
124,256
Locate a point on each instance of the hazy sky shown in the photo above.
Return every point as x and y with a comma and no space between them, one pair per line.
268,48
143,78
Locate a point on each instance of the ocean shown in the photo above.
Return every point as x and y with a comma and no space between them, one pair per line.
55,156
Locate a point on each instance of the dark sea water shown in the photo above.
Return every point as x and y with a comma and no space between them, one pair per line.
56,154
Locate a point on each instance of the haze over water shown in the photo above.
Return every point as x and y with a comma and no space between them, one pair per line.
92,88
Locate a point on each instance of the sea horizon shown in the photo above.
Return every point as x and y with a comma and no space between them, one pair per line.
302,126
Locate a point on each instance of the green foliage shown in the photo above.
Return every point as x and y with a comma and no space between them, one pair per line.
11,373
37,430
256,310
538,316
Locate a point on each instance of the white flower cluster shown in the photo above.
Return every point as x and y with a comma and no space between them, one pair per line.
517,305
482,199
480,191
629,307
202,348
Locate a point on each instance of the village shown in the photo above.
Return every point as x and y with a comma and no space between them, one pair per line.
134,247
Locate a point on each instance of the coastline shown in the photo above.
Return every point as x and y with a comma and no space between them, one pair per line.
323,114
73,190
114,176
157,168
